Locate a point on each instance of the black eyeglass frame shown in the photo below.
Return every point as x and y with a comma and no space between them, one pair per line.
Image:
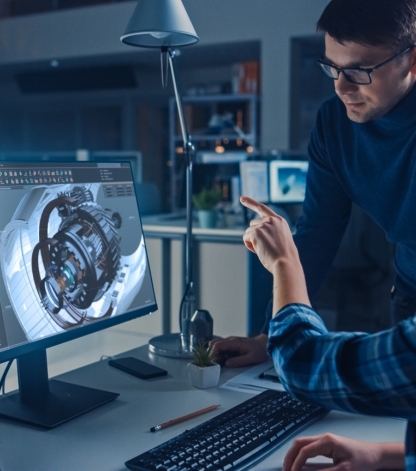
322,64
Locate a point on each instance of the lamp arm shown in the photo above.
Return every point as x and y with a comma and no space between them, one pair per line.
188,302
189,150
172,63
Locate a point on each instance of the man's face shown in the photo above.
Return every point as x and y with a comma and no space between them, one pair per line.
389,84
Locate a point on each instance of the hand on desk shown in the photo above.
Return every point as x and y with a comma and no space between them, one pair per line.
347,454
243,351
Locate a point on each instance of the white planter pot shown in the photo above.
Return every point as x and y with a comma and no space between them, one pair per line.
204,378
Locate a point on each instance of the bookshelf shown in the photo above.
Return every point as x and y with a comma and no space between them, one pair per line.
216,142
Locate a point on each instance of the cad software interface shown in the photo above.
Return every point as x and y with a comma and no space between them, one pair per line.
71,248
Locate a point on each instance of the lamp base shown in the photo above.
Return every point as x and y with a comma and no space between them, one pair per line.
169,345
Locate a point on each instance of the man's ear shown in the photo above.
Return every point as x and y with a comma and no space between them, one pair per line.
413,66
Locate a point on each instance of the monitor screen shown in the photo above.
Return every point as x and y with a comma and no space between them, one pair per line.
73,257
287,181
254,180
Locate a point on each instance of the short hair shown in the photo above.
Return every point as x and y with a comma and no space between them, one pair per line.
387,23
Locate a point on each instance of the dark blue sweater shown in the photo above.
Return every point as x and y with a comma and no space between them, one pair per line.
372,164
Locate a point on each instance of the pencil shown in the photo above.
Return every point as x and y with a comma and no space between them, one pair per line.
183,418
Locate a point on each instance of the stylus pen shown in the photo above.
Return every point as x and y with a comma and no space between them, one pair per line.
183,418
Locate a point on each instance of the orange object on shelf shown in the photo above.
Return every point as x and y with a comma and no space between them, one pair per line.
246,77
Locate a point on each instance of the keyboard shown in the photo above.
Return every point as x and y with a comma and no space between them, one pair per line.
235,439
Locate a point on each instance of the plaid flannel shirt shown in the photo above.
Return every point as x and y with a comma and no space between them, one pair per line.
373,374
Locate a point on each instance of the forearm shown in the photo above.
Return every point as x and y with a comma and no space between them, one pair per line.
348,371
288,284
391,456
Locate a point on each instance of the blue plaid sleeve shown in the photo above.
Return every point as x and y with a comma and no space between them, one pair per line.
356,372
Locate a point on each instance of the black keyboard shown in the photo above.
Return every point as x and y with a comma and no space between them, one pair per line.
235,439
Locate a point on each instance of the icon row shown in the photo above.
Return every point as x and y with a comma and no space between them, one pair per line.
34,181
34,173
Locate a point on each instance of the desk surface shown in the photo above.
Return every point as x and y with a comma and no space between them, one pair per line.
106,437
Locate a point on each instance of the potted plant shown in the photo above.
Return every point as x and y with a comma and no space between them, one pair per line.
202,370
205,202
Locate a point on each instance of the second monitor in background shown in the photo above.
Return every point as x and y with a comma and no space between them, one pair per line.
287,181
254,180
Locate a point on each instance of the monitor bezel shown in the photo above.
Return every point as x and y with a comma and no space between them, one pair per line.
13,352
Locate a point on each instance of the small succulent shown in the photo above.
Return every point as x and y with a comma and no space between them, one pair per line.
202,356
207,199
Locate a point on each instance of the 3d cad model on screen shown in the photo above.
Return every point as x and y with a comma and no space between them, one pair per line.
63,261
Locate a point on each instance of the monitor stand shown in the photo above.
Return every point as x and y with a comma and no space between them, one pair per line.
48,403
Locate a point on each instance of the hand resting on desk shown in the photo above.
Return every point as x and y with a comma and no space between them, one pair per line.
236,352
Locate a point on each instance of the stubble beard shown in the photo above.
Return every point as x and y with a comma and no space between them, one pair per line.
369,115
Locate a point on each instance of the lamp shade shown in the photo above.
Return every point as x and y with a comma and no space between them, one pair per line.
159,23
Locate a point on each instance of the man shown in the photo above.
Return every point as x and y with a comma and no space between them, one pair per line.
362,149
355,372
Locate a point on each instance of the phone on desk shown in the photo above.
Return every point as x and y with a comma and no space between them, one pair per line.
271,375
137,367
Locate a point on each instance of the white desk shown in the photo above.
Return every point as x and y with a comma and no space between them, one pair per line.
106,437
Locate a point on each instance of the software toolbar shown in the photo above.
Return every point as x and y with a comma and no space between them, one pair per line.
16,174
35,177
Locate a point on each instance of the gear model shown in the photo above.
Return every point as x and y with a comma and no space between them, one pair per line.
80,261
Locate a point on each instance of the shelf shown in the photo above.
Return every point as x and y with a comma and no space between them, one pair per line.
198,111
214,137
219,98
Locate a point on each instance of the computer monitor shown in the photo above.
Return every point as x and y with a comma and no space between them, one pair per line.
287,181
73,261
254,180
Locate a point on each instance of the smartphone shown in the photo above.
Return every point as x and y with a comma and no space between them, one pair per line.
271,375
138,368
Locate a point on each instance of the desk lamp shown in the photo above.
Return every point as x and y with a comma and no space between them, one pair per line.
165,25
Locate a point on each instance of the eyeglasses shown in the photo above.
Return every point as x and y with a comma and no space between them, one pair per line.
358,75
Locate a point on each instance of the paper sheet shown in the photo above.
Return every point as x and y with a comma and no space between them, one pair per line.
250,381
